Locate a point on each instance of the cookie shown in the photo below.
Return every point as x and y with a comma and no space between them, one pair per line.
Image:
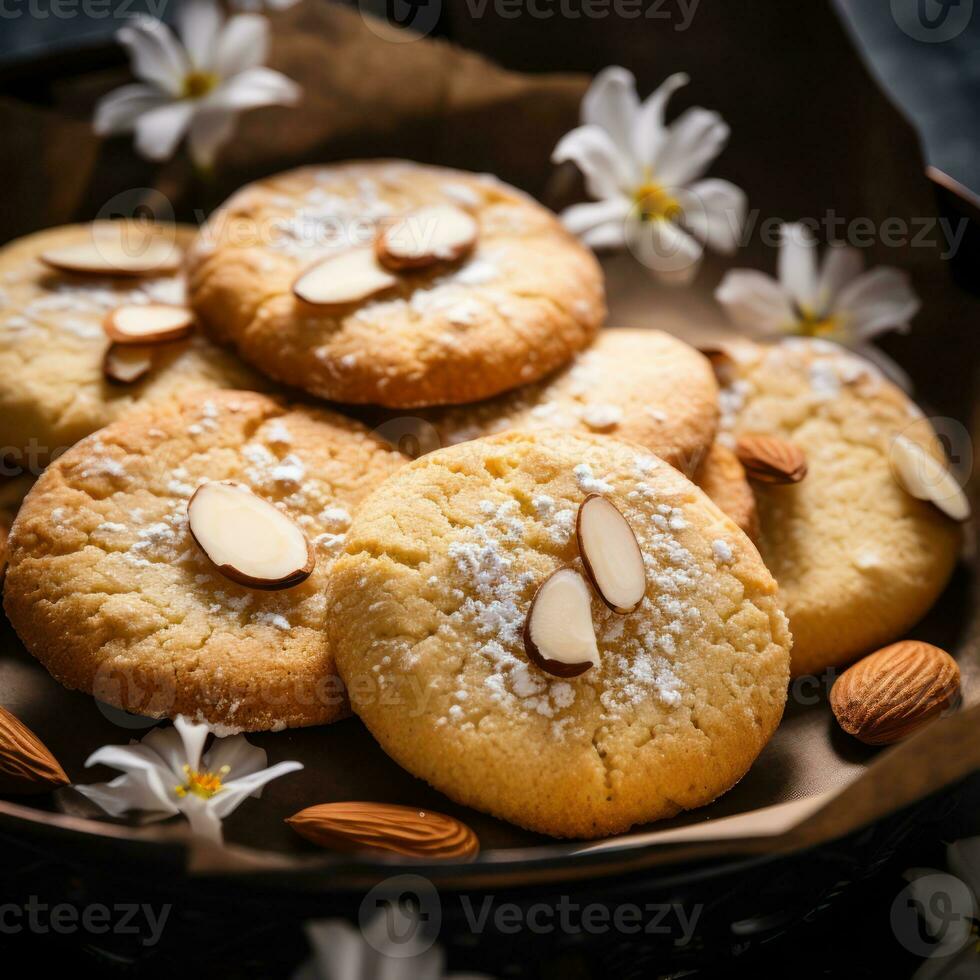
108,588
520,299
641,386
722,477
428,615
52,340
858,559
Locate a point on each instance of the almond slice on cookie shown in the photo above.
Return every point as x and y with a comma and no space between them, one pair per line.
343,279
611,555
114,256
248,539
126,363
558,634
441,233
148,323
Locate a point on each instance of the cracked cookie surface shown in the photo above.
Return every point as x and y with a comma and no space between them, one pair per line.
107,588
427,609
527,298
858,560
52,344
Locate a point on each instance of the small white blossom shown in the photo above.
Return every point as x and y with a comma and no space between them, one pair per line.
195,84
834,299
645,177
166,774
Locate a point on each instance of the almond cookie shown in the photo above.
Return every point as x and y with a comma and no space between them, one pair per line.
395,284
57,289
641,386
858,559
431,620
109,588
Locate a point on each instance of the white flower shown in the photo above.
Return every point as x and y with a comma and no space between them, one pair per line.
948,905
834,299
644,176
196,85
166,774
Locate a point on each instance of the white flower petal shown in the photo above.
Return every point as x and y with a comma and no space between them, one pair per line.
166,748
611,103
876,301
798,266
159,131
210,130
202,818
607,172
755,302
667,250
199,23
244,44
689,146
252,88
125,793
146,784
841,263
714,211
118,111
193,735
889,368
156,55
963,858
651,130
237,753
237,790
600,224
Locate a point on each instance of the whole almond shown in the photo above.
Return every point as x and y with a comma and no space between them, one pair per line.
890,694
26,765
386,827
768,459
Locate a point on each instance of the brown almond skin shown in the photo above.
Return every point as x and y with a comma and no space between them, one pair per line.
261,584
26,764
768,459
554,667
587,565
388,828
890,694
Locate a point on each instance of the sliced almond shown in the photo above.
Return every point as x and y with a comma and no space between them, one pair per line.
888,695
250,541
148,323
768,459
116,255
26,764
610,553
558,634
125,363
441,233
925,478
349,277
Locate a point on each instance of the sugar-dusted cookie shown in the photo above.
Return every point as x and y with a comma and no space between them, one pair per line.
56,289
429,618
641,386
722,477
858,559
109,589
395,284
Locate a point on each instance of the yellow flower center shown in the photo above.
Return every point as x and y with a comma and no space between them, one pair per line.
655,203
811,324
199,83
202,784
